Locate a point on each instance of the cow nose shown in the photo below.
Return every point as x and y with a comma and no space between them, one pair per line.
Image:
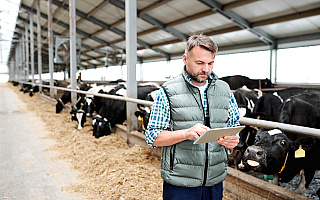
254,152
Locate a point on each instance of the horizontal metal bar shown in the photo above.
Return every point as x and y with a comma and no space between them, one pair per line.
301,130
116,97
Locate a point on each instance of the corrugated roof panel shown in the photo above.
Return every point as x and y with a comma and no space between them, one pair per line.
177,9
87,5
109,36
90,42
236,37
260,10
157,37
203,24
174,48
147,53
109,14
88,27
294,27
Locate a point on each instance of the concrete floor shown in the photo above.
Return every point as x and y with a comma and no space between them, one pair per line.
26,170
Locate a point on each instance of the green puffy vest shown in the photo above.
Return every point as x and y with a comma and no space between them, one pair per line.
187,164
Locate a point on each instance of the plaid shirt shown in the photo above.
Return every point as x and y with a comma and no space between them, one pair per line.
159,119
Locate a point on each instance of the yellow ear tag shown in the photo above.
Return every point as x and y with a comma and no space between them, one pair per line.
300,153
139,118
81,104
72,115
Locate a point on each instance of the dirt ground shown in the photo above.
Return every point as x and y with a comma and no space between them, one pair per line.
109,168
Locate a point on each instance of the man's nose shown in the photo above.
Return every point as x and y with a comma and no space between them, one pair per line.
206,68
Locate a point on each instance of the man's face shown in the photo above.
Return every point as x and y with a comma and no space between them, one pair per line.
199,64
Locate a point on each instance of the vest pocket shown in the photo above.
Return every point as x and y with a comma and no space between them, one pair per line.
172,154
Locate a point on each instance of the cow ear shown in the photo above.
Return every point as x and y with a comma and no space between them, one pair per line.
307,143
138,113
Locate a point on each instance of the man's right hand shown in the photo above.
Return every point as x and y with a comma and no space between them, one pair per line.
196,131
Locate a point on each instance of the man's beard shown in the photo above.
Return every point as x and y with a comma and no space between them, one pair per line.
195,77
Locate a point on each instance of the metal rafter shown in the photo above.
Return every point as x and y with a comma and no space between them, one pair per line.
106,26
238,20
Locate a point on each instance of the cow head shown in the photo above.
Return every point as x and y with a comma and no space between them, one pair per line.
101,126
269,151
59,106
73,113
143,115
90,106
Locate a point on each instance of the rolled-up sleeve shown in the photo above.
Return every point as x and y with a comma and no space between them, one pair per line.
233,110
159,119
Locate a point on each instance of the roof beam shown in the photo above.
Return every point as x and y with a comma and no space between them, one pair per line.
80,32
104,25
238,20
153,21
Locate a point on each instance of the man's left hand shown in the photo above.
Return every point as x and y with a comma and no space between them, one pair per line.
229,141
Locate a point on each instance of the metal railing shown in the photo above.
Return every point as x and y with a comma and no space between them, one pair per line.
301,130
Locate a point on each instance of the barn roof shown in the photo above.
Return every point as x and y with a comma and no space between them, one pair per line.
163,26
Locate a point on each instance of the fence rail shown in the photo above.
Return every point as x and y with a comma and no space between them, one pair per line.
301,130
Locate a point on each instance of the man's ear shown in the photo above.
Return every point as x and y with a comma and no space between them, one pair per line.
184,58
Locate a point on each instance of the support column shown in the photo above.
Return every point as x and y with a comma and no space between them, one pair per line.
31,46
50,38
73,60
27,51
39,44
131,60
23,63
273,63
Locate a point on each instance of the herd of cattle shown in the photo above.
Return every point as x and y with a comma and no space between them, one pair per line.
271,152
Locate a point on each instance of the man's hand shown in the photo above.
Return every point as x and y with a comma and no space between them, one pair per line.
229,141
196,131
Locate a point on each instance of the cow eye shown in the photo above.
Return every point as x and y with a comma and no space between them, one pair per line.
283,142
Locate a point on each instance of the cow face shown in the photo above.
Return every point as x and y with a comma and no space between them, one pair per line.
90,106
143,116
101,126
73,114
81,118
269,151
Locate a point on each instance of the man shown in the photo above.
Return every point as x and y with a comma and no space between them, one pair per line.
184,108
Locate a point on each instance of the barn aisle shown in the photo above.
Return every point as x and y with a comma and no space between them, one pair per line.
27,171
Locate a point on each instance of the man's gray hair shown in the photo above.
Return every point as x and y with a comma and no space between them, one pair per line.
203,41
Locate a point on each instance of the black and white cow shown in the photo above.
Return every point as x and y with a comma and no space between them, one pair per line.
235,155
246,100
303,110
268,106
273,153
78,113
238,81
143,112
111,113
66,97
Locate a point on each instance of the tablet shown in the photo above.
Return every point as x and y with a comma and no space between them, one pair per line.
212,135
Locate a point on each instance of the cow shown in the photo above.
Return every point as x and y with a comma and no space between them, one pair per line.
247,137
78,112
143,112
66,97
268,106
112,112
238,81
246,99
303,110
273,153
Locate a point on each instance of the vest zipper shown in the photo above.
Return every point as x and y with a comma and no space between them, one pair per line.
207,123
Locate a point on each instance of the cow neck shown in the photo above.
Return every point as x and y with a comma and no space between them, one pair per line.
284,164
